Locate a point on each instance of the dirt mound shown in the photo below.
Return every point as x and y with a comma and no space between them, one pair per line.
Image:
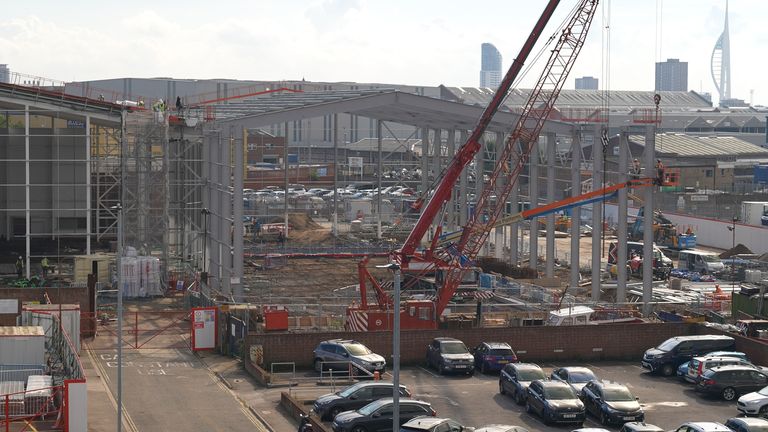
298,221
493,265
738,250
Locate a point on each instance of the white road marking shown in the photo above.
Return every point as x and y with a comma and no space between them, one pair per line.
429,372
431,396
671,404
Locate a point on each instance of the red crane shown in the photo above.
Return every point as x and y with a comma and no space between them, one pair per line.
510,162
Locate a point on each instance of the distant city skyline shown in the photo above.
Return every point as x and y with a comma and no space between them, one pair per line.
362,41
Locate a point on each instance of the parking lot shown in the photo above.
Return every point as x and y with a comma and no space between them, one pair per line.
475,400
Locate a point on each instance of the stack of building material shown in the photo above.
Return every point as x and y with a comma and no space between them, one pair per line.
12,397
141,276
37,399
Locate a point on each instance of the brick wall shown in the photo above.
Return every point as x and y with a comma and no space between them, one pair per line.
77,296
755,349
604,342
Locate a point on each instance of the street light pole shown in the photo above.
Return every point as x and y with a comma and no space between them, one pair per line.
395,348
732,229
119,208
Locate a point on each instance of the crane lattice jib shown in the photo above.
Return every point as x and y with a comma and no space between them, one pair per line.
466,153
529,125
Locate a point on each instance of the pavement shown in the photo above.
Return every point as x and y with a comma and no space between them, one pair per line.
169,387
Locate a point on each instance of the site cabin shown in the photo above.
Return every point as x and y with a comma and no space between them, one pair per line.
584,315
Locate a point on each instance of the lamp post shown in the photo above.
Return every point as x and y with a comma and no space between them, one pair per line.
732,229
205,212
119,209
395,348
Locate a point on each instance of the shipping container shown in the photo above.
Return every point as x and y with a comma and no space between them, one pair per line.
22,345
40,315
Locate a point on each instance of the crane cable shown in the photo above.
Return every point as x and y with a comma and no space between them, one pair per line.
523,73
605,97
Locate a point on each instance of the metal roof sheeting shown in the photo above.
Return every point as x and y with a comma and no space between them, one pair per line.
692,145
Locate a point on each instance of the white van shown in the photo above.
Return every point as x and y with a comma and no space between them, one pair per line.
703,262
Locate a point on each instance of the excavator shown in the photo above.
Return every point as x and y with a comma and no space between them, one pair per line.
664,231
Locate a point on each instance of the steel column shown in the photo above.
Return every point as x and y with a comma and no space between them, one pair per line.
533,193
27,204
378,177
597,214
650,157
237,220
88,174
463,188
576,211
621,244
451,202
550,263
499,237
424,160
515,233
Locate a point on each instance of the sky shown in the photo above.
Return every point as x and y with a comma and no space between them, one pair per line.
424,42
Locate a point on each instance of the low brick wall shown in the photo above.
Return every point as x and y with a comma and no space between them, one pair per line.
62,295
755,349
259,374
585,343
295,408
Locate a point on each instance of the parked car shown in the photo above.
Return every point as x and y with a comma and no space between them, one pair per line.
611,402
640,427
675,351
554,402
339,353
747,424
450,355
377,415
434,424
354,397
698,365
575,376
515,378
702,427
755,403
730,381
492,356
501,428
682,370
590,429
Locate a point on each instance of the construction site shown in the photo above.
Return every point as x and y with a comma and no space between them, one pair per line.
449,216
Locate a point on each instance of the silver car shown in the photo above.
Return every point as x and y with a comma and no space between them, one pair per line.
342,354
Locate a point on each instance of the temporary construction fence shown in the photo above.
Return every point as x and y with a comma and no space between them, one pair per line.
167,329
37,397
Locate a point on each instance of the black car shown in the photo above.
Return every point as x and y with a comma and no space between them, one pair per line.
434,424
450,355
515,378
554,402
575,376
611,402
377,416
673,352
354,397
730,381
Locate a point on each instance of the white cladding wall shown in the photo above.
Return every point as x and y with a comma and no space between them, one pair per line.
711,232
24,349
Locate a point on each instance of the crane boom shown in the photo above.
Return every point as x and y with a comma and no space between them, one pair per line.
467,151
529,125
